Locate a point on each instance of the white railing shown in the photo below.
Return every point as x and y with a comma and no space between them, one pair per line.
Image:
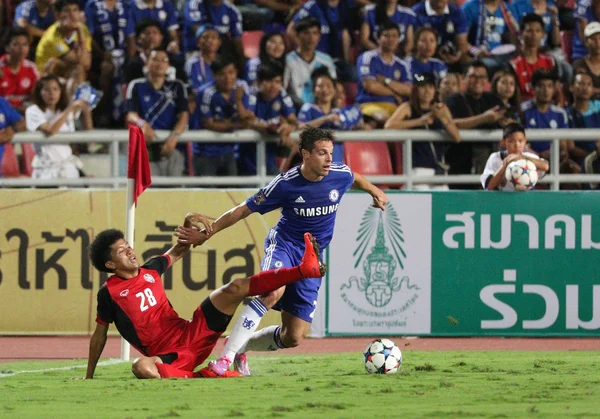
114,137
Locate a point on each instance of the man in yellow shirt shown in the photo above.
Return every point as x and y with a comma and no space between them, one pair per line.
65,48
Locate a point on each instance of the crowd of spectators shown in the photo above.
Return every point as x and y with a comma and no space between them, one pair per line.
341,64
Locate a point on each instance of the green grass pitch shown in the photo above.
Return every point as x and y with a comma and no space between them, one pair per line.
493,384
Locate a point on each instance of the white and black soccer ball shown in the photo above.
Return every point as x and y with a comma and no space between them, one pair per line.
382,356
522,174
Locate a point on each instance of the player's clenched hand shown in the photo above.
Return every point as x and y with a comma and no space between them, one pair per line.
190,236
199,221
380,199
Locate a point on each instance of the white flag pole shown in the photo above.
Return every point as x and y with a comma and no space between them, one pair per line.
129,236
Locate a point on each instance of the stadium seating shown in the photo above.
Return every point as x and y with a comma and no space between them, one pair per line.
369,158
251,43
10,166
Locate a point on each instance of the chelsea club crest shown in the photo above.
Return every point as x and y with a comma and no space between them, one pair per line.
334,195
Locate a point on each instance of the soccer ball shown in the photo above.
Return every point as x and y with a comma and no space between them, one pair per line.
522,174
382,356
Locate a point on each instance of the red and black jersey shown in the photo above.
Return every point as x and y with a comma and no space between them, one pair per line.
140,309
524,71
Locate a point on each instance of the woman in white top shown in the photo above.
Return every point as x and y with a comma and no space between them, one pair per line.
51,114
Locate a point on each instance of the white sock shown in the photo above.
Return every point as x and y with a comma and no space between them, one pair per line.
267,339
244,328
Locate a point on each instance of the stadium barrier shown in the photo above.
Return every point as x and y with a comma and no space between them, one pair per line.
441,263
408,137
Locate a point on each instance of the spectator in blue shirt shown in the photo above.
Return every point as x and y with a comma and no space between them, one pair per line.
423,61
11,121
388,10
583,113
450,24
384,79
161,11
222,15
335,41
36,16
547,10
107,23
271,51
221,106
540,112
587,11
274,114
155,103
197,67
323,113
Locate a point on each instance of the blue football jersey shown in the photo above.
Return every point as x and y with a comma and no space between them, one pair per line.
403,17
520,8
225,17
583,10
331,25
8,117
434,66
251,69
158,107
163,12
554,118
198,72
305,206
28,11
369,65
447,25
490,33
107,27
210,103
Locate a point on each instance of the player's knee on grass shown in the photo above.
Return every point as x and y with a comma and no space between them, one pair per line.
145,367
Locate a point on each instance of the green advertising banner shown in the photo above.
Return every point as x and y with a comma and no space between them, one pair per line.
466,264
509,264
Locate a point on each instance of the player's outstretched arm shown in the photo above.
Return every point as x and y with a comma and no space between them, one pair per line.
97,343
193,222
195,235
380,199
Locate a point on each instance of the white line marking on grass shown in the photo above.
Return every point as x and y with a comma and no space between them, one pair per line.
73,367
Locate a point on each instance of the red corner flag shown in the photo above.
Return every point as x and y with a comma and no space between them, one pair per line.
138,164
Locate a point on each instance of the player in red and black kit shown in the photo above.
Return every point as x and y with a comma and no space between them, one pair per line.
135,300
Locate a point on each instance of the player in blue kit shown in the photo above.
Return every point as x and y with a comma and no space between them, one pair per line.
309,196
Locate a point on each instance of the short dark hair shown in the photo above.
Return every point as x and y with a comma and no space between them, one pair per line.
268,71
386,26
320,72
477,64
424,29
310,135
63,102
220,62
15,32
60,4
543,74
99,250
531,18
143,24
511,128
307,23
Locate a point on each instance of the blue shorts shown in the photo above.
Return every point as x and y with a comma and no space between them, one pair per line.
300,297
